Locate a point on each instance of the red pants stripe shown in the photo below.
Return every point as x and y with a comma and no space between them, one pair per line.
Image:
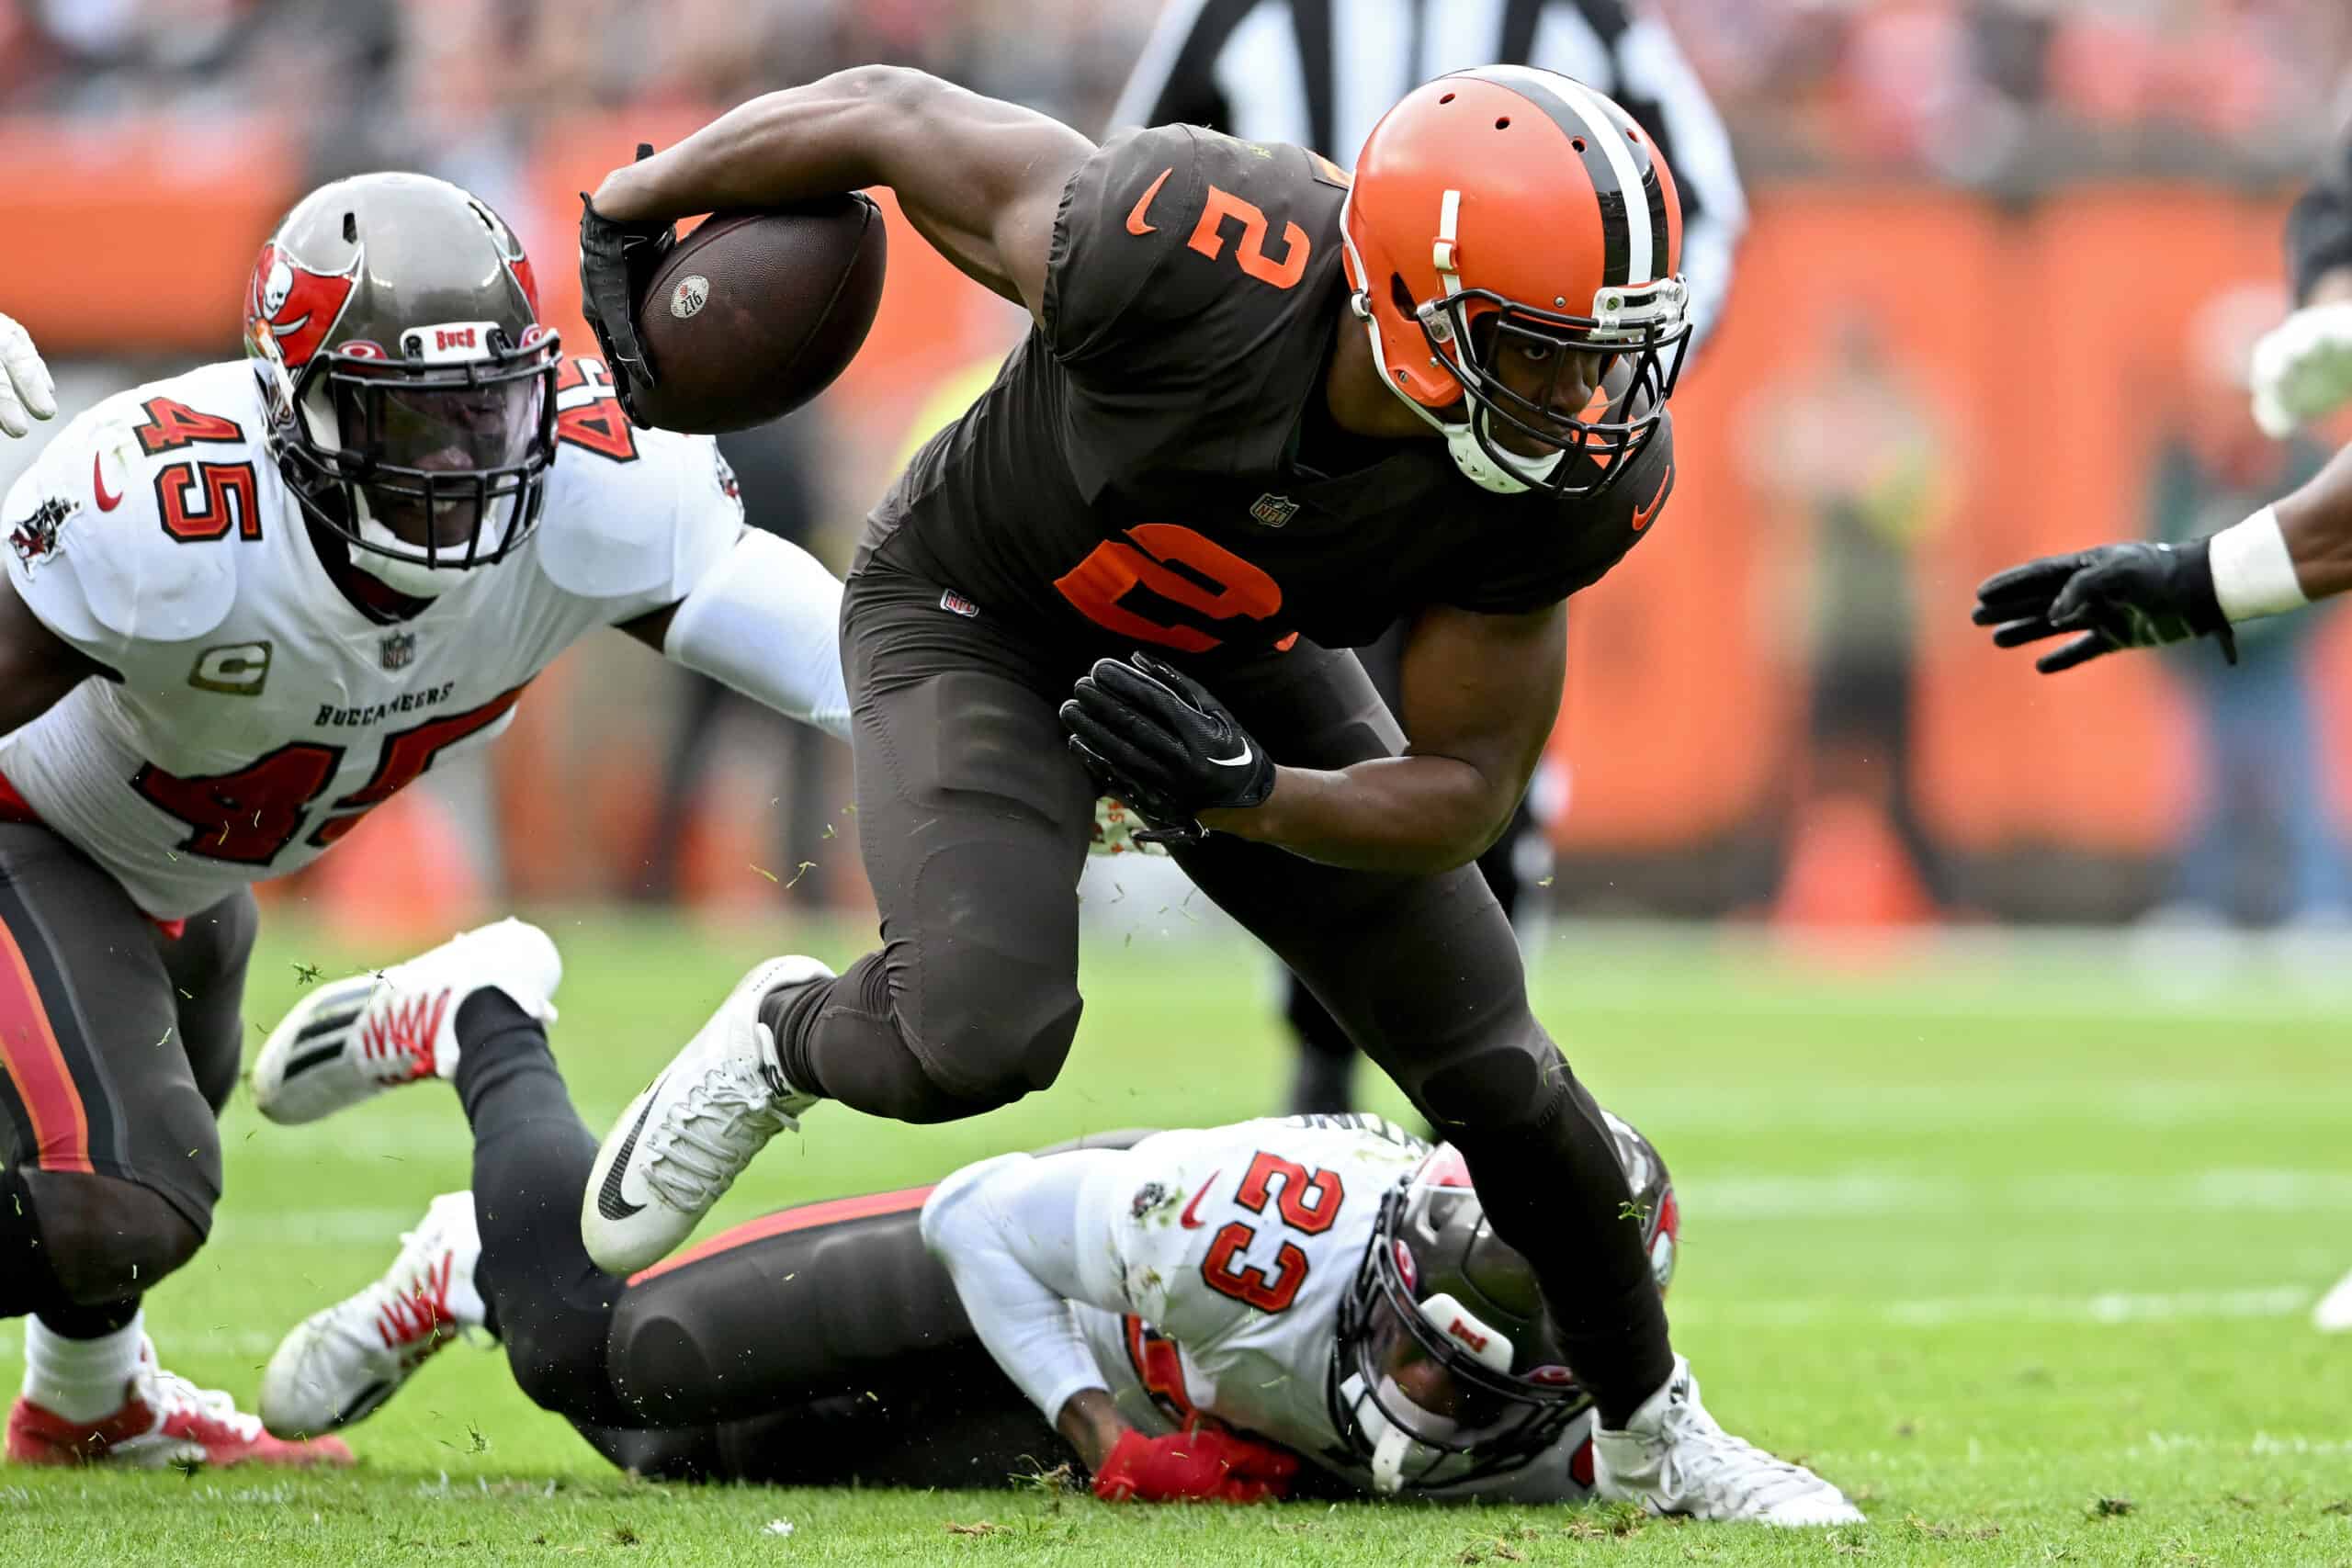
36,1067
795,1219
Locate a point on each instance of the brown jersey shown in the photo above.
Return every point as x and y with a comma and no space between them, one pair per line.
1133,476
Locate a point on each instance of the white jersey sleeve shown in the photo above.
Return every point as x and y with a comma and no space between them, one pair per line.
633,517
1231,1234
99,527
1008,1231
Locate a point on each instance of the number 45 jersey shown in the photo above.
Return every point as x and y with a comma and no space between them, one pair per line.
260,715
1135,477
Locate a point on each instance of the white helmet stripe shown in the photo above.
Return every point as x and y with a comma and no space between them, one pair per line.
1583,101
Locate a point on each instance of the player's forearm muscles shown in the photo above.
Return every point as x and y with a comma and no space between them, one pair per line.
1091,1422
1420,814
1480,692
978,177
2316,522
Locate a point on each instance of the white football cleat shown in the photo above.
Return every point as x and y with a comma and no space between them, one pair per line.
356,1037
683,1142
340,1364
1673,1458
2334,1313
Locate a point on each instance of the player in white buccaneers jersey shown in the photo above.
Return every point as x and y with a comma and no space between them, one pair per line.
1310,1304
1223,1279
242,607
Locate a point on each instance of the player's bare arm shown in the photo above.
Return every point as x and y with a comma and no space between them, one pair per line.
979,179
1091,1422
1481,693
2140,595
37,666
2316,524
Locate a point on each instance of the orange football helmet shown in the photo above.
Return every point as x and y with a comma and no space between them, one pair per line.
1507,207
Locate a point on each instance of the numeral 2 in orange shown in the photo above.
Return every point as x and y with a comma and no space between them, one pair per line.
1185,570
1249,251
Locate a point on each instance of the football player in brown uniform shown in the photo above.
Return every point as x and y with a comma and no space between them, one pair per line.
1264,410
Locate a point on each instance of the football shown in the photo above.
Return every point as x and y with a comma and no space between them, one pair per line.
754,313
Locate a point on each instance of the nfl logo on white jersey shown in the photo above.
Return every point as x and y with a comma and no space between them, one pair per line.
1273,511
399,650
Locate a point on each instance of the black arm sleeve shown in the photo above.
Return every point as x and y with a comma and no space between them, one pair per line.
2319,229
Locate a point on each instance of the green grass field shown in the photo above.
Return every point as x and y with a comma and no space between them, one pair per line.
2019,1255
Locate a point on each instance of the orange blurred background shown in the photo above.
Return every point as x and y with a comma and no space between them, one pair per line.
2042,342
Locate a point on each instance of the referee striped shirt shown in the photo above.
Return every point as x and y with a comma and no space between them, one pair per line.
1320,73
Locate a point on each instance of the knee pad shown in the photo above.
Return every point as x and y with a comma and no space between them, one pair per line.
1496,1088
103,1239
994,1048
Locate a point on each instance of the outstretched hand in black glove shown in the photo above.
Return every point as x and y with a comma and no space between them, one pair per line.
2135,595
1155,737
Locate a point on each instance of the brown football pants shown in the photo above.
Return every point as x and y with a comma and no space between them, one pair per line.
975,820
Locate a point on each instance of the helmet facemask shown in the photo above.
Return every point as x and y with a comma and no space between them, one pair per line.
426,468
1422,1388
1506,206
1639,332
393,322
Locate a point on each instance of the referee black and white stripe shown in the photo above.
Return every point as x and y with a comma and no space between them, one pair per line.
1320,73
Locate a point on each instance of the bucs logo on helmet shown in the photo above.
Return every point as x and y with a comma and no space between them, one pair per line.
289,310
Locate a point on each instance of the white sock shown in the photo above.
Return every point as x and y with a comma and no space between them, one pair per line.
82,1380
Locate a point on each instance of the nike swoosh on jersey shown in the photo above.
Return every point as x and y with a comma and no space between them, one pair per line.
609,1197
1187,1219
1241,761
1642,515
98,483
1136,225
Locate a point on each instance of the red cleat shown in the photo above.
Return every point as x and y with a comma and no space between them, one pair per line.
164,1420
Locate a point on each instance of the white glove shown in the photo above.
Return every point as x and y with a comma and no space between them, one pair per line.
25,386
1114,831
2303,368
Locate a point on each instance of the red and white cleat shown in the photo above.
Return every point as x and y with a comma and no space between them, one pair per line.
356,1037
341,1363
164,1420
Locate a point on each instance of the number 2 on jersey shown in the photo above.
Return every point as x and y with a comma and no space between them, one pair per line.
1307,1203
1171,562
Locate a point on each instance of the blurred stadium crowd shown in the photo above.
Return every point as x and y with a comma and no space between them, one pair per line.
2015,162
1964,89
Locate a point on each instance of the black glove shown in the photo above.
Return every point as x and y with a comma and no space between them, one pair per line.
2137,595
615,260
1156,740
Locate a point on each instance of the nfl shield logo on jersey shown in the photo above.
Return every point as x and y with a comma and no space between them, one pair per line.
1272,509
399,650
